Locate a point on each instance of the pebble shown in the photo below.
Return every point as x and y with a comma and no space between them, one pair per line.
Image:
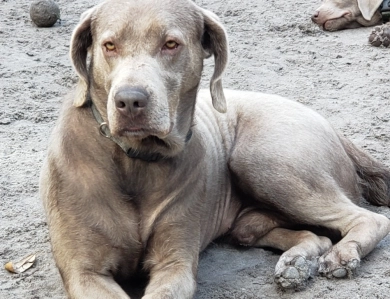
44,13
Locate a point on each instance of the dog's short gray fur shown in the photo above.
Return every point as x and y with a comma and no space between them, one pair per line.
257,165
335,15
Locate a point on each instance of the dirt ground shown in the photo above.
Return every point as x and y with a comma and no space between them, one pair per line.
274,49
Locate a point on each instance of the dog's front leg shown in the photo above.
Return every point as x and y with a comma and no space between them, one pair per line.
94,285
171,281
172,260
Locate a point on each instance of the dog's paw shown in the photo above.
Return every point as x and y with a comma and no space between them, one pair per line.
293,272
338,271
336,265
380,36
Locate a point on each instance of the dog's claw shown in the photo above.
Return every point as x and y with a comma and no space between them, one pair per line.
353,264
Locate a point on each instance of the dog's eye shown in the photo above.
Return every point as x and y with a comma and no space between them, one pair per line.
171,45
109,46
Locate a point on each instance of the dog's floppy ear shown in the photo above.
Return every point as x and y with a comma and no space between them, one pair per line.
368,8
80,42
214,42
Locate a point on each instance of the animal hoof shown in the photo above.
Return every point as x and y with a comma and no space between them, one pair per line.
339,273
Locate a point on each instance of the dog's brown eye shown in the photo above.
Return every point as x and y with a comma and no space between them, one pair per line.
171,45
109,46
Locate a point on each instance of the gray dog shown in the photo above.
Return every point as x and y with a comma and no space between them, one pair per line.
144,170
335,15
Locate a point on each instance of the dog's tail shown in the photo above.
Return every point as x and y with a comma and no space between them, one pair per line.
374,177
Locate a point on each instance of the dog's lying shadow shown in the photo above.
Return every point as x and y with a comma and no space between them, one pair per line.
135,288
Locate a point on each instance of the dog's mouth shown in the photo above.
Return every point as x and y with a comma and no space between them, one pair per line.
141,132
133,132
331,20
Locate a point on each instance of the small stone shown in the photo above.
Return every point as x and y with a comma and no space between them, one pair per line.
5,121
44,13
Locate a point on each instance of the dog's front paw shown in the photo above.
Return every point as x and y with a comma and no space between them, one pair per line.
380,36
293,272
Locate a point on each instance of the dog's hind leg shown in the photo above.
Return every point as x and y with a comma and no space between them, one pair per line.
299,262
324,204
296,165
361,230
301,248
305,252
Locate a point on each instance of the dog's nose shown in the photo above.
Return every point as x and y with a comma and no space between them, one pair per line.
315,16
131,100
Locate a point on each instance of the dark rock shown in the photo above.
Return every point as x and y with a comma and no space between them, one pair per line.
44,13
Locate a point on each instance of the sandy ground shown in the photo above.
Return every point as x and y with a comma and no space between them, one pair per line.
274,48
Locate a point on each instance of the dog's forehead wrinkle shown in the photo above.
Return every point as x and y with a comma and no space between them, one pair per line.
339,3
148,6
343,5
151,17
107,35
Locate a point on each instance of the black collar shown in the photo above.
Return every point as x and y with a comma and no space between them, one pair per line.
130,152
384,9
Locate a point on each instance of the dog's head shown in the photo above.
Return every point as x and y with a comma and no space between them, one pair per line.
141,63
343,14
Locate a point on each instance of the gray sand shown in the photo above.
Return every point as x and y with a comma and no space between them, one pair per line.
274,48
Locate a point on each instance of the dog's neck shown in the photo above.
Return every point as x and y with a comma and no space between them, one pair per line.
130,152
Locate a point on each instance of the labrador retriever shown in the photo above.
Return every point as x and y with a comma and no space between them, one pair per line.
144,170
334,15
